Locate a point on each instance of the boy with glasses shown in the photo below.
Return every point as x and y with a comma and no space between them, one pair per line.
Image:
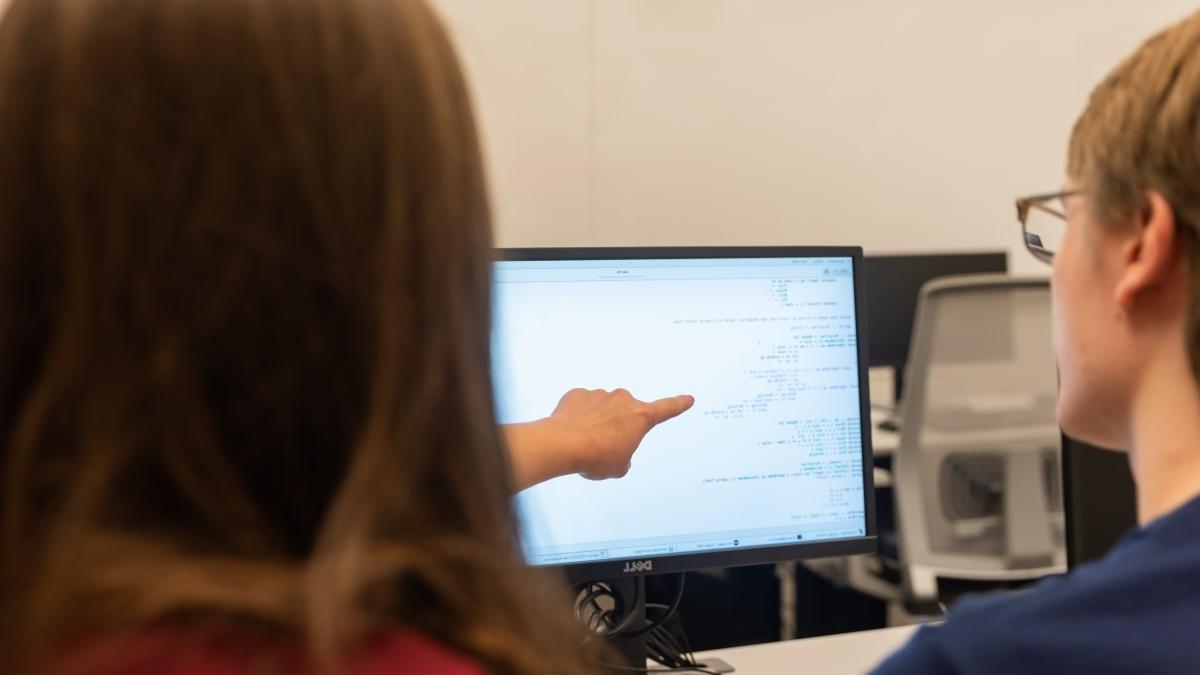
1126,291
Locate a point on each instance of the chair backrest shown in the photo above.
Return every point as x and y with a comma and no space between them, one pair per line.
977,484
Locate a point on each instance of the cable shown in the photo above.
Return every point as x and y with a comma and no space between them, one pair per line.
687,645
661,651
599,590
682,657
655,653
631,613
671,609
661,644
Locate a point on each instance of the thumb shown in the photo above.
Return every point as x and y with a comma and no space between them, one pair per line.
668,408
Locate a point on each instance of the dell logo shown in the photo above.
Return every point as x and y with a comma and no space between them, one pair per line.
636,566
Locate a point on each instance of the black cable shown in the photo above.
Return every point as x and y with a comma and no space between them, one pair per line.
672,608
668,648
687,645
632,613
600,590
655,653
590,597
657,656
665,654
685,654
599,614
662,645
667,638
594,623
596,593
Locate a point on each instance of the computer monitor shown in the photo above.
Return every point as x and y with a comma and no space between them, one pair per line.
773,462
1099,498
893,283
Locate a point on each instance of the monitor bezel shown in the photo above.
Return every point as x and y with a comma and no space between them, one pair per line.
682,562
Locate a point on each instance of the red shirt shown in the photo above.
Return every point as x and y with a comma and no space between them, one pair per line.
162,653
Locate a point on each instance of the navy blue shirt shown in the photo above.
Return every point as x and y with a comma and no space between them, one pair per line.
1136,610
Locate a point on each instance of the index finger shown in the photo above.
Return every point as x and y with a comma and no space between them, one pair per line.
667,408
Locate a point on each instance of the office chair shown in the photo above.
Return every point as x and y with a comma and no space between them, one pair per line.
977,474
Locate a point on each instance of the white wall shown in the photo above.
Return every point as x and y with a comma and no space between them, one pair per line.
896,125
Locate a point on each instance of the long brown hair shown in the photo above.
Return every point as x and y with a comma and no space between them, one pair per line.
244,333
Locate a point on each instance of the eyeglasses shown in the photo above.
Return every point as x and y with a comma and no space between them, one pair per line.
1044,223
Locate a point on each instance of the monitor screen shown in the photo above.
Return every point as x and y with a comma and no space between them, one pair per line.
769,463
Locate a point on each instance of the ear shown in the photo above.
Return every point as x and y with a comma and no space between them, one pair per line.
1152,252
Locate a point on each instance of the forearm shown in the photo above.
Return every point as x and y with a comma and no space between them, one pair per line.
537,453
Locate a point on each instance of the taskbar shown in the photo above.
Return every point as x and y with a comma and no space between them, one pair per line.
701,544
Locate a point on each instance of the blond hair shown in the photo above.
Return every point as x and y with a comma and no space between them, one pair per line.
1141,131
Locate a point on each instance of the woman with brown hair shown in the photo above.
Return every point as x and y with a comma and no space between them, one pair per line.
244,396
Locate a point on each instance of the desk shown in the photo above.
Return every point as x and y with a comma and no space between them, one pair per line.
851,653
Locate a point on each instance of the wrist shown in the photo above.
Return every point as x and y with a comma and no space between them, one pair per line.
560,454
540,451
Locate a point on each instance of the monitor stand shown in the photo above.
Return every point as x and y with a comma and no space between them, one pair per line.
627,652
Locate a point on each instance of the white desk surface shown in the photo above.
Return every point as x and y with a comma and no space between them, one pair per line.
847,654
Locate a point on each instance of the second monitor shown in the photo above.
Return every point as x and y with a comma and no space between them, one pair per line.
893,283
